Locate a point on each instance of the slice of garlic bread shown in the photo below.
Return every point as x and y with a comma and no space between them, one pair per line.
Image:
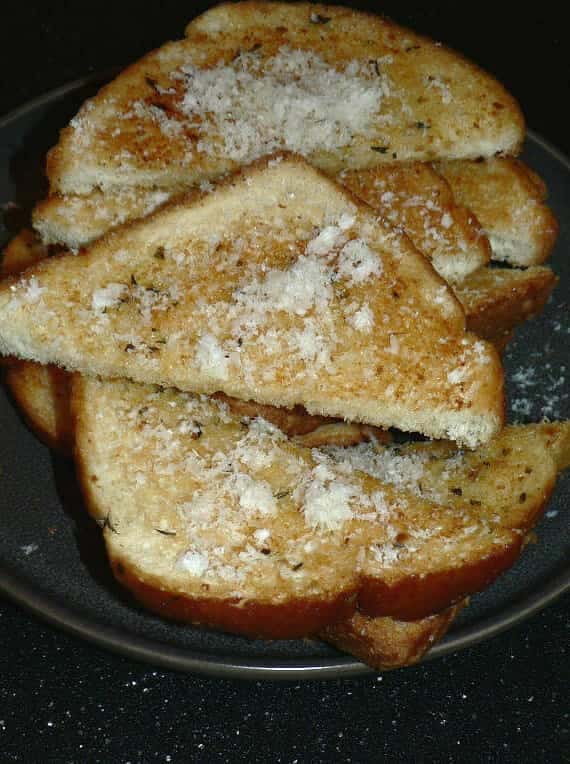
497,300
508,200
278,287
222,520
254,78
414,197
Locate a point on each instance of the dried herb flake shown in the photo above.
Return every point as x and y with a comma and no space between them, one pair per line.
318,18
152,83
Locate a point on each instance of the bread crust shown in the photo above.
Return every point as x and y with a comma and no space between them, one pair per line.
258,620
417,597
41,393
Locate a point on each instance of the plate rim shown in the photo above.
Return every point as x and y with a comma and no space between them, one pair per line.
154,652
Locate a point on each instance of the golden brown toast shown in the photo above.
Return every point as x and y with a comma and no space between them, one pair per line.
311,301
222,520
495,302
508,200
386,643
254,78
414,197
75,221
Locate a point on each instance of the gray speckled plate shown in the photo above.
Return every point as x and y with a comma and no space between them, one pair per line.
52,559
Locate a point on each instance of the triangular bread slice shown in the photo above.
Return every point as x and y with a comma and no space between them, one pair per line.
254,78
222,520
279,287
414,197
495,300
508,200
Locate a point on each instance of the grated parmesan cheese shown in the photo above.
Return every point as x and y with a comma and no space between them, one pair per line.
107,297
254,495
261,535
360,318
404,471
196,563
457,375
357,262
28,291
326,499
327,239
211,358
292,100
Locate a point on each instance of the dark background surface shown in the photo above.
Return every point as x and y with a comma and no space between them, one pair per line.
65,701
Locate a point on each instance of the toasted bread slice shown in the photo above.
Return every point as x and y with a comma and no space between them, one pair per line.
508,482
215,519
413,197
253,78
508,479
75,221
278,287
42,395
508,200
497,300
386,643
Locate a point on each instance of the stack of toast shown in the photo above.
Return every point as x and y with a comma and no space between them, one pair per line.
272,254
